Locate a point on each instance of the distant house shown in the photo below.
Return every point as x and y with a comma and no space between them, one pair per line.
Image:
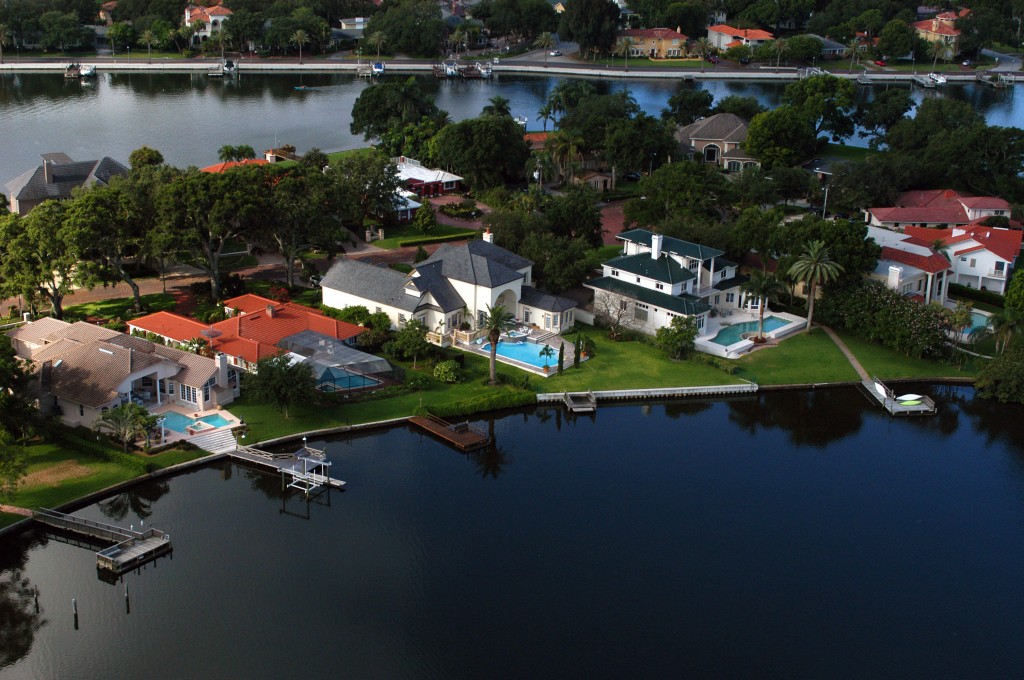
221,167
282,153
207,20
600,181
911,266
942,29
723,36
56,178
981,257
452,287
654,43
425,182
658,277
536,140
936,208
716,139
85,370
259,328
830,49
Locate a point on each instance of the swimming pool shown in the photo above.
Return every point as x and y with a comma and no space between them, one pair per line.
978,322
179,423
731,334
336,379
526,352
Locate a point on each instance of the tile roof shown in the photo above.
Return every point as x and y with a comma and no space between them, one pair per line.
671,245
746,33
655,33
169,325
664,269
539,299
681,304
221,167
1006,243
377,284
64,175
936,206
908,250
936,27
932,263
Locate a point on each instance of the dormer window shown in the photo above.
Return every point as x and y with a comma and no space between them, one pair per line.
615,272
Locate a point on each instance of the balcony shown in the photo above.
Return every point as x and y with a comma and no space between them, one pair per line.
996,274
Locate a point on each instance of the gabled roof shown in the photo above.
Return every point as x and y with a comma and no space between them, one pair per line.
429,279
932,263
64,175
936,206
478,262
539,299
411,170
672,245
664,269
378,284
908,250
1005,243
746,33
680,304
170,325
721,127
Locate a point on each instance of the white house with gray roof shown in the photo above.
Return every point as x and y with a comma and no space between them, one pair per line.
454,286
56,178
658,278
84,370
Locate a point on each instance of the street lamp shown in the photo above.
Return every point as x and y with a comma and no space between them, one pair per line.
129,54
824,206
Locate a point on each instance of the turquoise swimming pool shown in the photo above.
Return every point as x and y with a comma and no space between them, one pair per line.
179,423
526,352
978,322
732,334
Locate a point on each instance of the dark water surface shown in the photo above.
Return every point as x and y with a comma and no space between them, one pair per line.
188,117
801,534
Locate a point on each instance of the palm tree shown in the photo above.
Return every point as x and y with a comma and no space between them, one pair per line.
814,267
545,41
126,423
623,47
704,47
780,47
227,153
455,39
5,39
496,321
1004,327
377,40
545,113
763,286
300,38
941,247
147,38
498,106
853,50
935,50
564,150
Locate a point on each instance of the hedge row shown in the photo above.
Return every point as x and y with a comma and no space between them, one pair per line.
424,240
486,402
977,295
83,440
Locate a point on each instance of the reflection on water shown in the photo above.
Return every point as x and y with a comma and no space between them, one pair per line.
671,539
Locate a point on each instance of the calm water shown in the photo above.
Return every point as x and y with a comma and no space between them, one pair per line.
189,117
792,535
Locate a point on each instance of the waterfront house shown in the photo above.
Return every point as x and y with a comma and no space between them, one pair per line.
942,28
206,20
425,182
85,370
56,178
723,36
452,288
981,256
257,328
939,208
654,43
658,277
716,139
911,266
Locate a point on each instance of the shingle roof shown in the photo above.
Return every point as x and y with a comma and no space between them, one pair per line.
64,176
430,280
531,297
672,245
378,284
681,304
733,282
664,269
721,127
478,262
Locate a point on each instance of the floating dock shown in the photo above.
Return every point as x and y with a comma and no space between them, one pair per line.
131,548
459,435
580,402
919,405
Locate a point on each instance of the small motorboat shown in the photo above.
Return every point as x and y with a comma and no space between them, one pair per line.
306,88
909,397
87,71
937,78
377,68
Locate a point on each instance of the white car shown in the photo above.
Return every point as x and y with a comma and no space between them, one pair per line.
555,53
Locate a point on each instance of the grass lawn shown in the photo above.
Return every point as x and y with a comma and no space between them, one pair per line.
886,363
7,518
846,152
334,157
799,359
57,474
121,308
404,232
233,262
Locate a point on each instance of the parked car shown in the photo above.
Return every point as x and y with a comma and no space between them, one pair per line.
967,62
880,62
555,53
631,177
712,59
744,60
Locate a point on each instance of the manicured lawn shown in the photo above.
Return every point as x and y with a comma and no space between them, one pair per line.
393,236
847,153
8,519
799,359
121,308
886,363
641,63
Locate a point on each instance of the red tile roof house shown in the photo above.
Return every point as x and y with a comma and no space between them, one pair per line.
723,36
207,20
911,266
227,165
85,370
940,208
982,257
258,328
942,28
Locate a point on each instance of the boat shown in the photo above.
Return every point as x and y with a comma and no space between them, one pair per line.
937,78
217,71
306,88
87,71
73,70
447,69
377,68
229,67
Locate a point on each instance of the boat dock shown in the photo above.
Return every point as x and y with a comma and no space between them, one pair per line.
306,470
459,435
131,548
580,402
923,81
584,399
906,405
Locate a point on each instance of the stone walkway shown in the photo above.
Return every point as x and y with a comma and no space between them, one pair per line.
847,353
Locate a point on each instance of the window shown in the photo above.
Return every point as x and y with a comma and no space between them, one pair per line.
660,286
189,394
700,322
638,279
999,213
999,266
401,319
378,310
623,304
734,166
692,264
170,387
716,298
974,263
615,272
81,410
730,297
640,314
206,388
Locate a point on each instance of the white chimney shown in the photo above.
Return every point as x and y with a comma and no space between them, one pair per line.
46,172
656,240
488,236
895,273
222,369
270,311
26,317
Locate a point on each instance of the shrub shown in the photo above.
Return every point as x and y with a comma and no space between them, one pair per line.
485,402
1003,377
986,296
447,372
444,238
417,381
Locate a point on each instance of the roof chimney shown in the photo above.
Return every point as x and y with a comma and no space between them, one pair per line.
46,172
656,240
488,236
270,311
893,280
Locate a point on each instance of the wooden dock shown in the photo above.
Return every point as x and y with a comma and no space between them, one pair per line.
656,393
897,406
459,435
580,402
131,548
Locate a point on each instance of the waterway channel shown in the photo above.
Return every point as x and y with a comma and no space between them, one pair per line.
188,117
798,535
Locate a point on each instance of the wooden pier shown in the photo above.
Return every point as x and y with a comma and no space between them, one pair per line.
920,405
306,470
580,402
459,435
654,393
131,548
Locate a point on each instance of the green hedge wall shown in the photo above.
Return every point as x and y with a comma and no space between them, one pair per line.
985,296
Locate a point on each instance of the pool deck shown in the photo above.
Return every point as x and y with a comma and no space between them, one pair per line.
738,316
532,335
170,436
